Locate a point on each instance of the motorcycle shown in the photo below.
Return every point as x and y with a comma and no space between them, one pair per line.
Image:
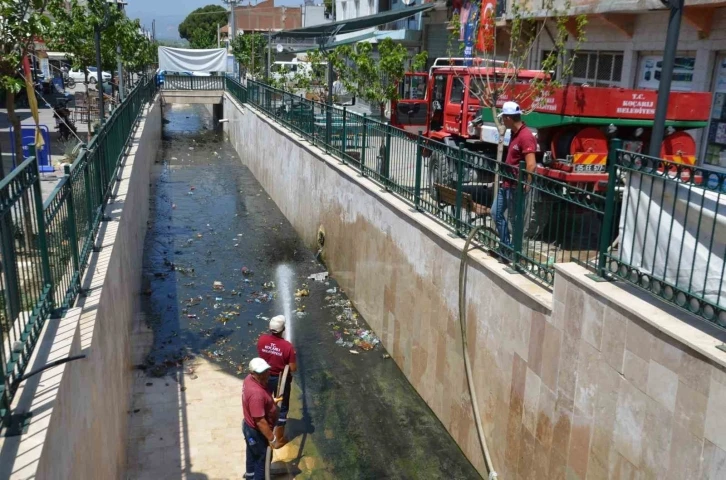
64,125
68,81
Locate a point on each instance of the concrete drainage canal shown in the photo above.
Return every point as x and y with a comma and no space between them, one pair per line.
220,259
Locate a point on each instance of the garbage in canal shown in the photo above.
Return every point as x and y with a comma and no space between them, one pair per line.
246,271
332,290
218,299
218,285
191,315
269,285
303,292
300,314
185,270
194,301
354,352
319,277
386,356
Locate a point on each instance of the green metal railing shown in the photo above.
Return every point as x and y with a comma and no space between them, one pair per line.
550,221
670,230
45,246
187,82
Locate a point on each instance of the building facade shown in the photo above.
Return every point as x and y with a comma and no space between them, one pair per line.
624,48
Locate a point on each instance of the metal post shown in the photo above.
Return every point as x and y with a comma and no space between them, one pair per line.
459,186
72,232
9,263
269,54
99,74
329,101
218,42
233,32
419,168
120,74
519,204
40,221
385,168
344,143
363,146
664,87
607,227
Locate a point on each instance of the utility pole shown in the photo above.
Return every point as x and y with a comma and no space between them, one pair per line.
153,30
119,65
99,64
664,87
232,28
269,54
218,44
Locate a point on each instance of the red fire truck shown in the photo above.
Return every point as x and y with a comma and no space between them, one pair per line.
573,124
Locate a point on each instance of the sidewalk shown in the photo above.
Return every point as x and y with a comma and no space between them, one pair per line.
58,149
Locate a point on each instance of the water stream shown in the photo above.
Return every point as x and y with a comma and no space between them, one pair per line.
220,260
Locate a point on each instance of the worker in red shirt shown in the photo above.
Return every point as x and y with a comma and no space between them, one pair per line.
260,414
522,146
278,352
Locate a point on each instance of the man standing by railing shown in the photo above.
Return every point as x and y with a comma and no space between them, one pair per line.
522,146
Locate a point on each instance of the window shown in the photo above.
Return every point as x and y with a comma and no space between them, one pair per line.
597,69
457,90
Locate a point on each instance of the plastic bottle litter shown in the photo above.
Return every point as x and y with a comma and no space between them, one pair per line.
332,290
318,277
191,315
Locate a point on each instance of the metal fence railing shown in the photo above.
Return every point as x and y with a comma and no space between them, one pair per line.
45,246
188,82
676,250
671,232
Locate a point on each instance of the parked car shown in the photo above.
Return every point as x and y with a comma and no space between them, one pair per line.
79,76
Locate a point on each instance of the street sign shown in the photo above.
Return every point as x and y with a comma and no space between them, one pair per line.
28,138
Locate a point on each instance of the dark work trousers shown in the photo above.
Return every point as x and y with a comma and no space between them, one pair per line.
272,389
256,452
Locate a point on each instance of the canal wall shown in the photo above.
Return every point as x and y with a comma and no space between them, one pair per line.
589,381
78,428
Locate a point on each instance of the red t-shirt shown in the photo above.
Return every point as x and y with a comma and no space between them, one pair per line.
276,351
521,143
257,403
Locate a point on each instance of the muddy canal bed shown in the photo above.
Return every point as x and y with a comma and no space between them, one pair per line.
220,259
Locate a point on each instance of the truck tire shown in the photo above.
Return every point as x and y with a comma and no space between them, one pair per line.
440,170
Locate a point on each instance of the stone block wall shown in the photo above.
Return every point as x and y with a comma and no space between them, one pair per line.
575,384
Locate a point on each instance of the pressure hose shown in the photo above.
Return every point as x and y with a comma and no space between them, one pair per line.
467,363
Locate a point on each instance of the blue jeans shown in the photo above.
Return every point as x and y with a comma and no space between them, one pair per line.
503,203
285,407
256,452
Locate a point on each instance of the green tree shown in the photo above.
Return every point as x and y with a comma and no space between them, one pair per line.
200,26
202,38
250,50
373,79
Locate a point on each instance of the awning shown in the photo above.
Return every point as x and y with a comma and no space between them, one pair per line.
58,55
354,24
347,41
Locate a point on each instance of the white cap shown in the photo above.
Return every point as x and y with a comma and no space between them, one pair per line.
259,365
277,324
510,108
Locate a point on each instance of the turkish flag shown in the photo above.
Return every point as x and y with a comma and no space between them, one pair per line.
485,36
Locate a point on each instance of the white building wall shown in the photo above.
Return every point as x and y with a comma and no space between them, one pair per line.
649,36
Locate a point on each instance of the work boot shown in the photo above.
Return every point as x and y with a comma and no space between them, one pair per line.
280,433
